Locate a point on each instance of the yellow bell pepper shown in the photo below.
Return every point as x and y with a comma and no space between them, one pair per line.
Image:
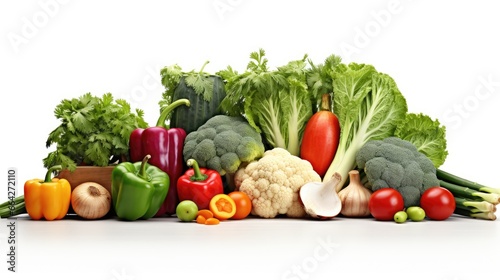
49,198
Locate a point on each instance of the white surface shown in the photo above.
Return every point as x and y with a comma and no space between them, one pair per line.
439,53
455,249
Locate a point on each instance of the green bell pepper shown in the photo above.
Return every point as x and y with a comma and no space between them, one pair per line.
138,189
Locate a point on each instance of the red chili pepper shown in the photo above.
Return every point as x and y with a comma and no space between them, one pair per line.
199,185
165,147
321,138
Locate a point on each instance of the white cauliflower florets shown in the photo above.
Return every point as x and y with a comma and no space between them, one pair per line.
273,183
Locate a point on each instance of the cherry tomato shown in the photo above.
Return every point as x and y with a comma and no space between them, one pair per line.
438,203
243,204
385,203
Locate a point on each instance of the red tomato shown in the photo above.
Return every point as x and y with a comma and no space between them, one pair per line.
384,203
438,203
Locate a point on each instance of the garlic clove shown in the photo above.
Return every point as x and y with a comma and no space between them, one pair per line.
355,197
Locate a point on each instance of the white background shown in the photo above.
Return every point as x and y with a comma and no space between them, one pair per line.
443,56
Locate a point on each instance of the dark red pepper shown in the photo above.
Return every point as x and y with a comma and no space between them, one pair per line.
199,185
165,147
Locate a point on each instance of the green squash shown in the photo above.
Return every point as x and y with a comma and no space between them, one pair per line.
201,108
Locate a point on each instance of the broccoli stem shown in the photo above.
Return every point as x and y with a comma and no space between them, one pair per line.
474,206
481,215
466,192
454,179
230,186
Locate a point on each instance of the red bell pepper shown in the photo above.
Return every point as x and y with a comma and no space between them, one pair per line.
199,185
165,147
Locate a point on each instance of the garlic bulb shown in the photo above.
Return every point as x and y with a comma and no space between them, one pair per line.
355,197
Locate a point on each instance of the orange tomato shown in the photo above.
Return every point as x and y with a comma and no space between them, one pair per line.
222,206
243,204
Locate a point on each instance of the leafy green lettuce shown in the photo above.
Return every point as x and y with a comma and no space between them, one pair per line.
426,134
369,106
274,102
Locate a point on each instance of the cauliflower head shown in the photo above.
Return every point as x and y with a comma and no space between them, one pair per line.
396,163
223,143
273,183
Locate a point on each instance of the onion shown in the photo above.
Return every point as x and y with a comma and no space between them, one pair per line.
91,200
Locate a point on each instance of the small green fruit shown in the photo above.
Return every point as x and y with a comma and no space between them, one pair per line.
186,211
415,213
400,217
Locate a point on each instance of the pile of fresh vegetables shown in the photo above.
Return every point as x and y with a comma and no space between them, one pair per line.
303,140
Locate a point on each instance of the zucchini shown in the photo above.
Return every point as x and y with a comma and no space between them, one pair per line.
201,108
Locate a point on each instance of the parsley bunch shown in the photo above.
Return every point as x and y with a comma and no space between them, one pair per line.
93,131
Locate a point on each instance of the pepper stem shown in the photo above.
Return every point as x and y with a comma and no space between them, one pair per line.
325,103
48,175
142,172
198,176
169,108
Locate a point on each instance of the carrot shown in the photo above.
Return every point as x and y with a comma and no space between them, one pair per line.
212,221
207,214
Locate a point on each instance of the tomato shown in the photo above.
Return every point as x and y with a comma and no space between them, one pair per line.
243,204
438,203
385,203
222,206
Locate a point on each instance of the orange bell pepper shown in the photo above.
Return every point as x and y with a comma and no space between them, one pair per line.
49,198
222,206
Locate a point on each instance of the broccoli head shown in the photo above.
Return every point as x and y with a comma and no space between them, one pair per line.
396,163
223,143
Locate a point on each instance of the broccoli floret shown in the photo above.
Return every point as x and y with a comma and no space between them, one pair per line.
204,151
215,121
230,162
223,143
247,131
227,140
207,133
214,163
397,164
249,149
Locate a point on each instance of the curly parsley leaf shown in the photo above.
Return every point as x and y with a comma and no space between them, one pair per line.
92,131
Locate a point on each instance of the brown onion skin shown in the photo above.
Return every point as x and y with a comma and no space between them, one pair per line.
91,200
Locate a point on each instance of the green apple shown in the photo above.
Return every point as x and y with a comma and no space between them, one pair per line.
400,217
186,211
415,213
